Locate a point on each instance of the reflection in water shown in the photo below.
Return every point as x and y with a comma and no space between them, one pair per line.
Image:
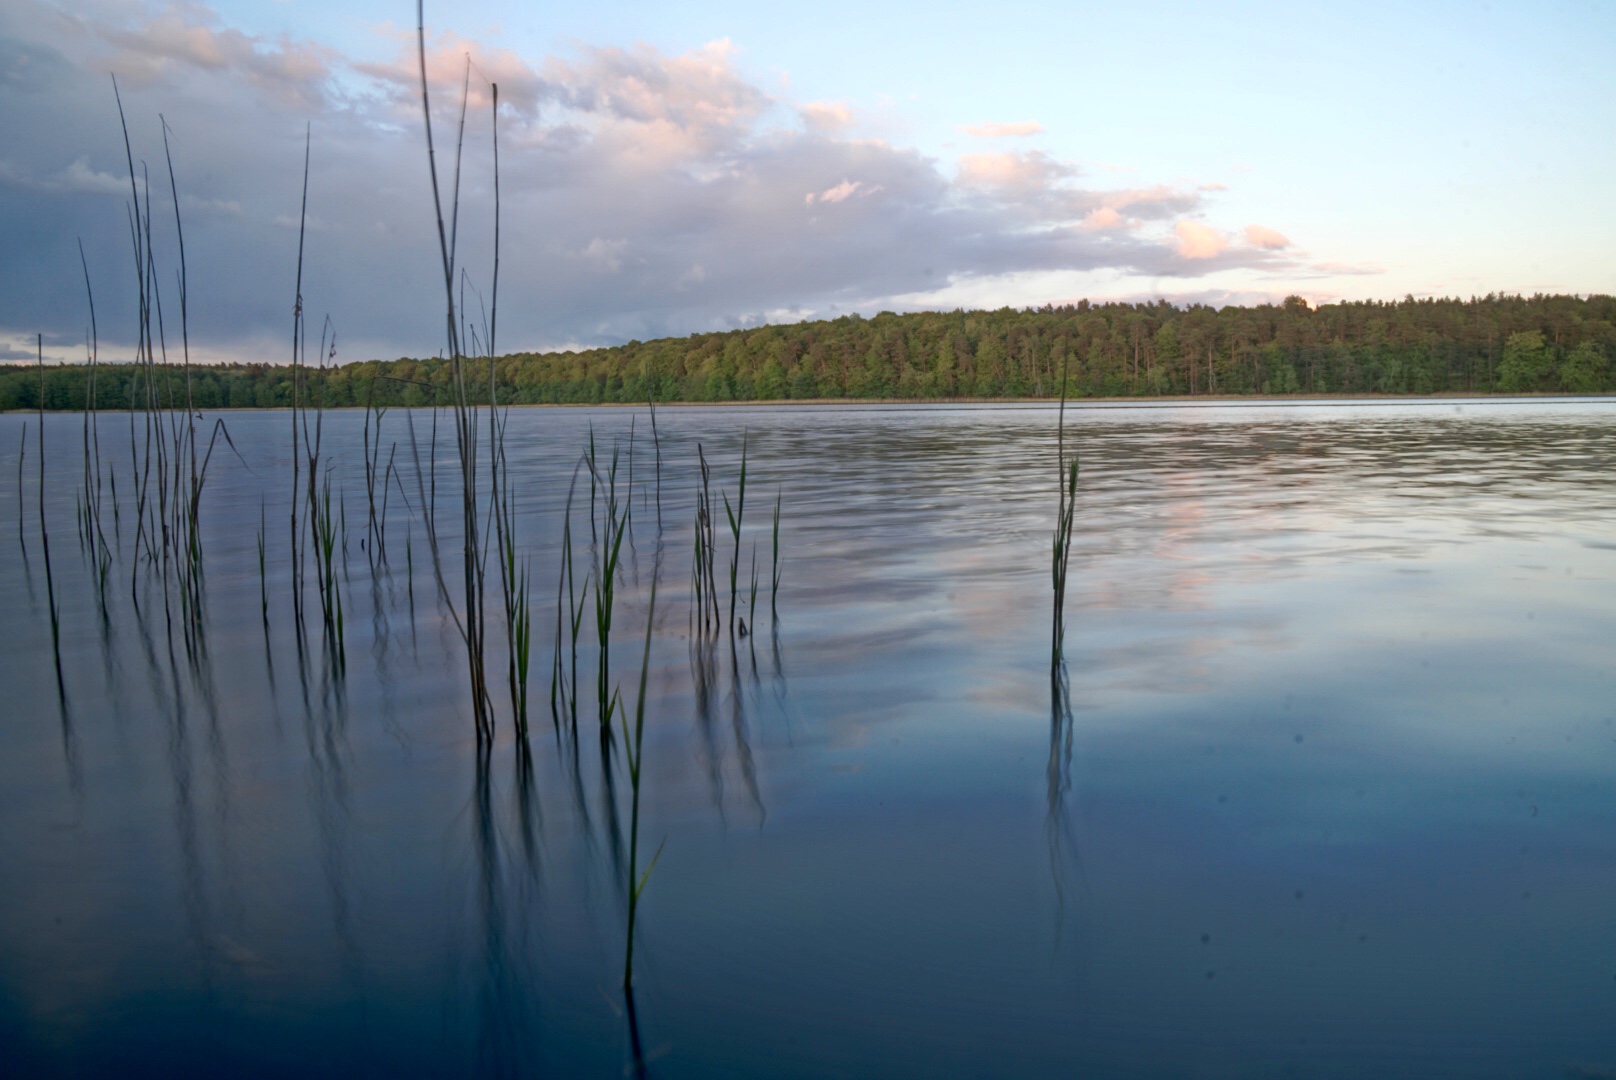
636,1047
503,996
743,746
1405,588
704,673
1059,830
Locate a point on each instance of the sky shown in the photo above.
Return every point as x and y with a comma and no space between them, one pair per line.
667,169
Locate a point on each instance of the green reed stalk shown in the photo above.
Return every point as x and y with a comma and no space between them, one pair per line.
1063,530
656,444
22,458
298,333
706,589
263,576
634,742
466,428
774,573
735,533
92,434
751,602
607,556
44,532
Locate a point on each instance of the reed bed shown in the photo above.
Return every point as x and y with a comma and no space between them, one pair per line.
171,448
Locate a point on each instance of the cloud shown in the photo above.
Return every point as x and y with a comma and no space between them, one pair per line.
76,178
1103,218
1334,269
1266,239
1012,169
642,192
1197,241
826,117
843,191
600,255
152,47
1001,130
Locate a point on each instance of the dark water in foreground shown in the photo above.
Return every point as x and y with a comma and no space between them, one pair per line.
1333,793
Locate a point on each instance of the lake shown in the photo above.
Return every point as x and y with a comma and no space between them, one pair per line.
1325,787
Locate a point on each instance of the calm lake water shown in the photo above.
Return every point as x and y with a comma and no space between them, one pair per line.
1329,789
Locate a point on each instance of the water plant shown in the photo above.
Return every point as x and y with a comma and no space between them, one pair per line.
563,691
22,459
44,534
467,431
607,553
774,573
704,591
263,576
1063,530
633,748
735,517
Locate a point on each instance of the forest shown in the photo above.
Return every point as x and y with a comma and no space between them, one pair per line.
1497,344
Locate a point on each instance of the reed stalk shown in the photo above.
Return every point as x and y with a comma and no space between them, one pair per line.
735,517
263,575
751,602
22,458
606,558
1063,530
466,427
704,584
297,350
44,533
633,743
774,571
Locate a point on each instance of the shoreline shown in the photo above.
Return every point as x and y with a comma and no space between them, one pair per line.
1141,402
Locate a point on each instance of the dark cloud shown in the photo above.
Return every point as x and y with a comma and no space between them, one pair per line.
641,194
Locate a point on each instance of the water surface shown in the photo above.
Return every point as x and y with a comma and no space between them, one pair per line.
1325,787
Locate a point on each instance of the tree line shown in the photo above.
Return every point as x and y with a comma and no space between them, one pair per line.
1492,344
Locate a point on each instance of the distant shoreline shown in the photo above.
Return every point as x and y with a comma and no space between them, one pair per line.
1089,403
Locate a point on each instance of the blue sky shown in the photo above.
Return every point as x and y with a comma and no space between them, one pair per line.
673,168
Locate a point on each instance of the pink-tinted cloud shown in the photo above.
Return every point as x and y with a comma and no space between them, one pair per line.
643,192
1198,241
1266,239
1003,130
1013,169
826,117
1103,219
186,37
521,88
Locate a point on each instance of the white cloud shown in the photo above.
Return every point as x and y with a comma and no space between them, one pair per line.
1003,130
826,117
843,191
